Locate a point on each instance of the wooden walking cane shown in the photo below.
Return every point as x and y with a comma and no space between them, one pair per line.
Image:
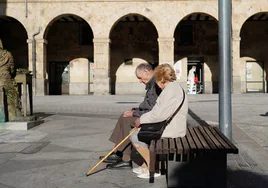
131,132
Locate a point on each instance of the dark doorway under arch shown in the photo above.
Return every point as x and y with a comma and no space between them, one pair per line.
196,37
253,51
14,38
69,37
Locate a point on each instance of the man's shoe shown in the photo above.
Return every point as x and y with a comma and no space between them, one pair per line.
120,164
111,158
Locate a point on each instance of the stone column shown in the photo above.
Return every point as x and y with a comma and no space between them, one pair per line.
166,50
238,69
101,81
79,77
41,73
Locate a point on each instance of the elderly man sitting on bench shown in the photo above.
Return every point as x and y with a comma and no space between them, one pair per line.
121,158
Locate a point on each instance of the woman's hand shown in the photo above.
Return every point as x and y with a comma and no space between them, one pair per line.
137,123
128,113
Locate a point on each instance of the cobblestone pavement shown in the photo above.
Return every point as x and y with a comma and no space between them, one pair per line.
60,151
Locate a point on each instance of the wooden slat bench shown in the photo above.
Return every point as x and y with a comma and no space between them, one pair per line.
197,160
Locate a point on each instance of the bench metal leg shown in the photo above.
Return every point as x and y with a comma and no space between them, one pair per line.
152,166
151,180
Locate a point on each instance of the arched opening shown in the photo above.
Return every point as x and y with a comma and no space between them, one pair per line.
196,47
124,76
69,51
132,37
253,52
14,38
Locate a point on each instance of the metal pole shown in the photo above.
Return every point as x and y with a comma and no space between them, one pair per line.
34,60
225,72
26,8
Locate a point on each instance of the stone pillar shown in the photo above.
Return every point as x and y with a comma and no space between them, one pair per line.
166,50
41,73
101,81
79,77
238,69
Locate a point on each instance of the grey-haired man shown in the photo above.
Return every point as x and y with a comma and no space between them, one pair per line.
121,158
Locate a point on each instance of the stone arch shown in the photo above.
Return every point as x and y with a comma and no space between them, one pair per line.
196,44
240,20
14,38
49,23
214,17
211,13
119,17
127,81
68,37
134,36
253,48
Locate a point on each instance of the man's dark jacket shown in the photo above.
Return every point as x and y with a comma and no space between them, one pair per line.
153,91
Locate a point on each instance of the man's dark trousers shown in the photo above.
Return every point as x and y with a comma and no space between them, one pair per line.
121,130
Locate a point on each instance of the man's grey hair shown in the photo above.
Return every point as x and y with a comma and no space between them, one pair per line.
144,66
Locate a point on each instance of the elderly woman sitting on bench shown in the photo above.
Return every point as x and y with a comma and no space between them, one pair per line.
167,103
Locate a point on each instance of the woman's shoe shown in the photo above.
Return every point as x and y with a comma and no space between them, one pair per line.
138,170
146,174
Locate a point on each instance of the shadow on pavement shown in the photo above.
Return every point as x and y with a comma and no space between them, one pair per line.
95,172
266,114
42,115
197,118
235,179
246,179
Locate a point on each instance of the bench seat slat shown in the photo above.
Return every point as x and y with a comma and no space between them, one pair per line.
165,146
206,137
186,147
192,145
195,138
159,146
212,137
201,138
179,145
152,145
218,137
172,148
234,148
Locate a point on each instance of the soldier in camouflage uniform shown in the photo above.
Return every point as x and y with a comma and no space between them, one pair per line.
8,83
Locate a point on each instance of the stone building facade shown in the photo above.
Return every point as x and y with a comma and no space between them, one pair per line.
90,46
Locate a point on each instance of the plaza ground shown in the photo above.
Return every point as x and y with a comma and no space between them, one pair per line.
58,153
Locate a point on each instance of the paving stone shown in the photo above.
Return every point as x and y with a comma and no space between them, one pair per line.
77,129
13,147
248,159
34,147
5,186
240,161
4,157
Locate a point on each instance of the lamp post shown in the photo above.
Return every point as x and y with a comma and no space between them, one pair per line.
225,72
